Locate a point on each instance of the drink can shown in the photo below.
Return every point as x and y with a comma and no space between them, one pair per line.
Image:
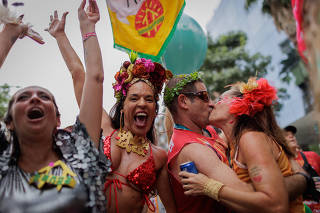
189,167
316,181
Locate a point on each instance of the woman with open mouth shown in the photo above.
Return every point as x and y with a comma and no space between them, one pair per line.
138,165
46,170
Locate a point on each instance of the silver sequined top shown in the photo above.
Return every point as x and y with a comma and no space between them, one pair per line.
77,151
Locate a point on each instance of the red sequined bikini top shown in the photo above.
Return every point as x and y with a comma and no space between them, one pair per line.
143,177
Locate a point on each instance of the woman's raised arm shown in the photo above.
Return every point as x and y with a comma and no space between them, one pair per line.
91,101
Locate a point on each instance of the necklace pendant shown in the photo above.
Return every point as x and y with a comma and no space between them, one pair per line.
136,144
44,176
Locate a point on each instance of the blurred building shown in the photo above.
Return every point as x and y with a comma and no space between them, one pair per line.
263,37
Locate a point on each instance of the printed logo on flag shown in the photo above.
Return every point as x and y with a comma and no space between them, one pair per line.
144,26
149,18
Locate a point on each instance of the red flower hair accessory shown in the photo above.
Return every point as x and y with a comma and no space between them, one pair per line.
256,95
152,73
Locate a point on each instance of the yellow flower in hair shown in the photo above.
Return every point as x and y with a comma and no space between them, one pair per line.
248,87
129,71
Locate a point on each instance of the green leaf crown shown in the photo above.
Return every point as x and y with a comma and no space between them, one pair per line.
170,93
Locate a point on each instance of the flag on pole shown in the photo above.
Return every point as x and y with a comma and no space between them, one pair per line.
144,26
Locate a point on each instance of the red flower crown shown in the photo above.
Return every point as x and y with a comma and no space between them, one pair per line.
256,95
152,73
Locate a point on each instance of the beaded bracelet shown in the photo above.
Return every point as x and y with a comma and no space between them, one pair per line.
87,35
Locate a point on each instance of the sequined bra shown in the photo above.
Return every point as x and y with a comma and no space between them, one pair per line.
142,178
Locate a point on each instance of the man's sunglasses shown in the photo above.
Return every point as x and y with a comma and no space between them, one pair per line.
203,95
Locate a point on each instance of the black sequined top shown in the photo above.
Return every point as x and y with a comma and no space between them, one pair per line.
78,152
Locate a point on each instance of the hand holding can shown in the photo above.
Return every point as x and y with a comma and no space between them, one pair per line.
189,167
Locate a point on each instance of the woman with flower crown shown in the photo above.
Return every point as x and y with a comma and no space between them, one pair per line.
138,165
259,154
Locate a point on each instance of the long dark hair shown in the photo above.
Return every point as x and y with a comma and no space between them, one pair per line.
115,115
263,121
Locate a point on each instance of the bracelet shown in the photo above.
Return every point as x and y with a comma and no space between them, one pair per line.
212,189
87,35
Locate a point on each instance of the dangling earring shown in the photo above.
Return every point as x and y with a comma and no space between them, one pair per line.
121,120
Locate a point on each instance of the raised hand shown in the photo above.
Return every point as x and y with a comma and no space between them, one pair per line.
56,26
88,18
93,11
18,29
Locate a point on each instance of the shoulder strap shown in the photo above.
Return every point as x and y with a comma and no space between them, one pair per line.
307,166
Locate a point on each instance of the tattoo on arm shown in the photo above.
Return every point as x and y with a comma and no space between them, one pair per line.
255,174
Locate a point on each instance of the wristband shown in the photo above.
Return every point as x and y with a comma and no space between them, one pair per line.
87,35
212,189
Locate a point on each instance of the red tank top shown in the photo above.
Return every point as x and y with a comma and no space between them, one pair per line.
142,178
192,204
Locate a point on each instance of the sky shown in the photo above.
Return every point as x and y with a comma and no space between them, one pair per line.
30,63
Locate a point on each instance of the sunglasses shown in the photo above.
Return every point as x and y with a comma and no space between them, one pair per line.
203,95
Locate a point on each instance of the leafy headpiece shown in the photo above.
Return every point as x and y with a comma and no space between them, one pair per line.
139,69
170,93
256,95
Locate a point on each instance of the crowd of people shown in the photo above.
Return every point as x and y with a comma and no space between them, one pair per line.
110,162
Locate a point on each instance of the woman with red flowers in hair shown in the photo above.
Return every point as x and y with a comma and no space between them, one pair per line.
138,167
258,152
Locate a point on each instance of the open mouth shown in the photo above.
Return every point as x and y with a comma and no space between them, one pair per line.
141,119
35,113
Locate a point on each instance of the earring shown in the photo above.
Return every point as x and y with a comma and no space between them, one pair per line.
121,120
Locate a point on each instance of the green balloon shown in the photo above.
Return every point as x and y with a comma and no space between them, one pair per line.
187,49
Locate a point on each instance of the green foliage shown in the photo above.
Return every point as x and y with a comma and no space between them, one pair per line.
227,62
170,93
4,99
292,65
133,56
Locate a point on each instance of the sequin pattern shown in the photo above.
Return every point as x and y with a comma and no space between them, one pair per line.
143,177
80,153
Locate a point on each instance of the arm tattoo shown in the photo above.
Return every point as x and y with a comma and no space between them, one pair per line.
255,174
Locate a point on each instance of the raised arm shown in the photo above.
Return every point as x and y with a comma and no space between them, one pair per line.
8,36
91,101
73,62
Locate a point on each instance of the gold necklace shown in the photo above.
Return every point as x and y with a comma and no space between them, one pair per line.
136,144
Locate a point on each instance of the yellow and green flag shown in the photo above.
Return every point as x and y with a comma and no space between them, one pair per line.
144,26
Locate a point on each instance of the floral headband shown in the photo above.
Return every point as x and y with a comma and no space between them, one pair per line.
256,95
152,73
170,93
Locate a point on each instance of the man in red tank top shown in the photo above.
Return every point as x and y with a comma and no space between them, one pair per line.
187,99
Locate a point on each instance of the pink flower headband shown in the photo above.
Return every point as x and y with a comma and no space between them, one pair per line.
152,73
